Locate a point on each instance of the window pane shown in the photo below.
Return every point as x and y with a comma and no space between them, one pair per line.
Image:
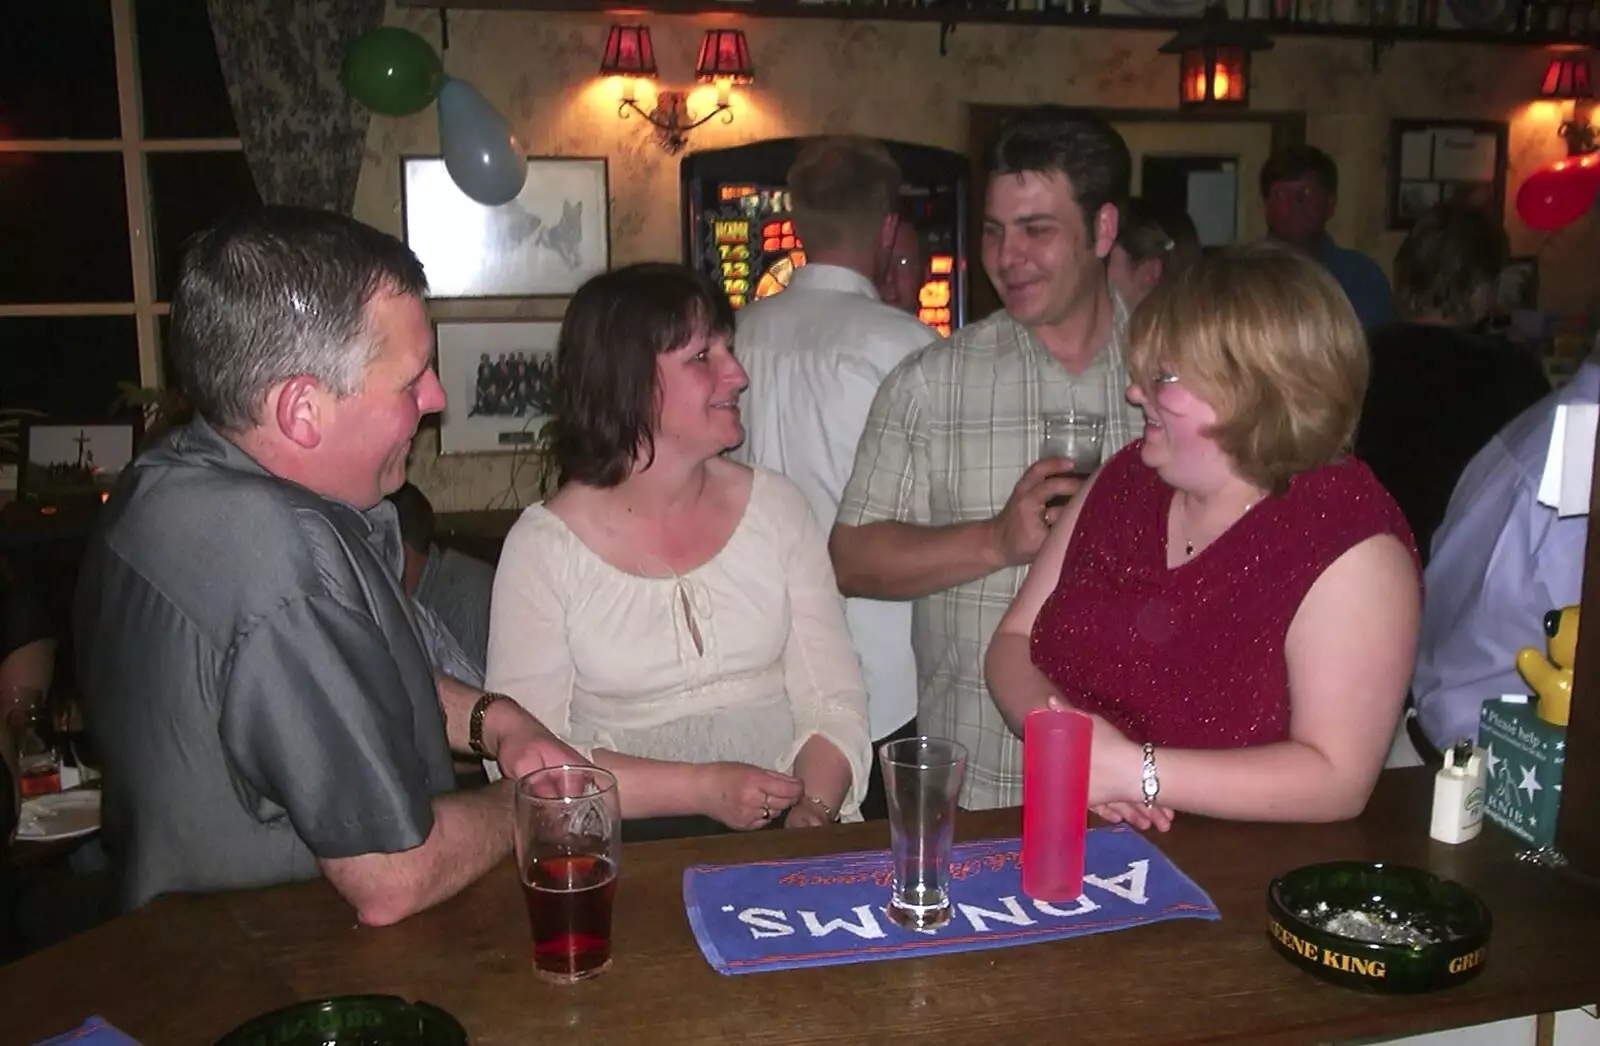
189,191
58,71
66,366
63,228
184,93
169,374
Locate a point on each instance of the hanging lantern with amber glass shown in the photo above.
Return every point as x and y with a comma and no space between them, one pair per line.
1215,74
1214,61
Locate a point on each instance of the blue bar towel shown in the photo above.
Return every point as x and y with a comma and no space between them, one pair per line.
825,911
92,1032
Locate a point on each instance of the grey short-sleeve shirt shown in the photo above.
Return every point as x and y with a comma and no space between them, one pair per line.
253,678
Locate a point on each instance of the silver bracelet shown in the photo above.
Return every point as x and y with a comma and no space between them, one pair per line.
826,809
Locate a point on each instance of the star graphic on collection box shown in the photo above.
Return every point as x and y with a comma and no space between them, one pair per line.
1493,760
1530,781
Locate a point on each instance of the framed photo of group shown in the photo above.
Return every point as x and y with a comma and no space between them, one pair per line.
544,243
1445,161
64,460
1517,287
499,383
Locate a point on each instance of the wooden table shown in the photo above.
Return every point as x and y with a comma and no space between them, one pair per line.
185,970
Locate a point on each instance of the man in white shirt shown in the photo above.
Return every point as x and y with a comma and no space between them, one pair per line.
816,355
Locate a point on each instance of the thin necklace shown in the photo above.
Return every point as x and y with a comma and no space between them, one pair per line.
1188,542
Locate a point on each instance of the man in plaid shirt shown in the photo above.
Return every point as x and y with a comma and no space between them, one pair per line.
948,502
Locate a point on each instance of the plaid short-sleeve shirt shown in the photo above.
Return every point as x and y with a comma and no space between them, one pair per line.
950,433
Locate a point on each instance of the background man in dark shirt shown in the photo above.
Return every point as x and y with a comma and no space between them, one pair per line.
1300,190
254,678
454,585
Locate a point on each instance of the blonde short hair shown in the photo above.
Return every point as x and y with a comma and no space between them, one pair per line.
1266,337
842,188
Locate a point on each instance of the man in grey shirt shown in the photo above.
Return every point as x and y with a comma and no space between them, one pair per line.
254,678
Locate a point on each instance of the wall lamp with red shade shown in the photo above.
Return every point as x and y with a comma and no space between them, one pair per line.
1562,192
1566,79
724,60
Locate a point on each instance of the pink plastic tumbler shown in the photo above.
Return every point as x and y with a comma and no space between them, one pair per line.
1055,802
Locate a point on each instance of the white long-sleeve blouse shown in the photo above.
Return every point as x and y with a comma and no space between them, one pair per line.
744,658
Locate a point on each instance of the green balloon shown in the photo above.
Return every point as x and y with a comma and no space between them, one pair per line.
392,71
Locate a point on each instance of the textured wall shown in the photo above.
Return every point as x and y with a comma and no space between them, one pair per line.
889,80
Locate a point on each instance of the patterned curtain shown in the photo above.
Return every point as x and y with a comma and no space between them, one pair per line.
303,135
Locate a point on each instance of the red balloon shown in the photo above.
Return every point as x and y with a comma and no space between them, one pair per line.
1586,168
1557,195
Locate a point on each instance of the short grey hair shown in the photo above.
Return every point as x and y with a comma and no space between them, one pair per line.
273,293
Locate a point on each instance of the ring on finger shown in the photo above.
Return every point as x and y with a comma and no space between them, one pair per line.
766,812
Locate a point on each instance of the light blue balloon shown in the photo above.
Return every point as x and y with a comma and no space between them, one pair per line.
479,151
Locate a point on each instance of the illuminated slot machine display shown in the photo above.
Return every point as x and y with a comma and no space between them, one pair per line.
738,225
781,254
936,294
750,239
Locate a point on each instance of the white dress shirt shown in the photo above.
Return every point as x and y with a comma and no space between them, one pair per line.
816,355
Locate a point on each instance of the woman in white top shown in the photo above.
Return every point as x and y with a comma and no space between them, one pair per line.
671,614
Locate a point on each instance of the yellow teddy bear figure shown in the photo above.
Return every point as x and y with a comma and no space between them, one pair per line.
1551,677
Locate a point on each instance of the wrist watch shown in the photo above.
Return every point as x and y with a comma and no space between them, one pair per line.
1149,783
475,722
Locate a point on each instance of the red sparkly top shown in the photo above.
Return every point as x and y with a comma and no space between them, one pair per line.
1192,656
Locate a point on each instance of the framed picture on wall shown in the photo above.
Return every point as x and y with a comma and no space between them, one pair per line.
64,460
1517,287
499,383
1445,161
546,242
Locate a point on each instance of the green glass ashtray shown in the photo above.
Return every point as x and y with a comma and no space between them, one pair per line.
1378,927
351,1020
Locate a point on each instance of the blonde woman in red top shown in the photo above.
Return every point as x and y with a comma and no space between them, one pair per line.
1233,597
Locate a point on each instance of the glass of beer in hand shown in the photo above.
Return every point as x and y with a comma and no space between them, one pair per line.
1077,436
568,841
1074,435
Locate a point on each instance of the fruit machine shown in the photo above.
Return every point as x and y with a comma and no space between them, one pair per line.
738,225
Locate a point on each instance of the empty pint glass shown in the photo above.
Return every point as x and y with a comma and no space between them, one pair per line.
922,777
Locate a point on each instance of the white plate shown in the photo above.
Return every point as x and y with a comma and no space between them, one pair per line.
60,815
